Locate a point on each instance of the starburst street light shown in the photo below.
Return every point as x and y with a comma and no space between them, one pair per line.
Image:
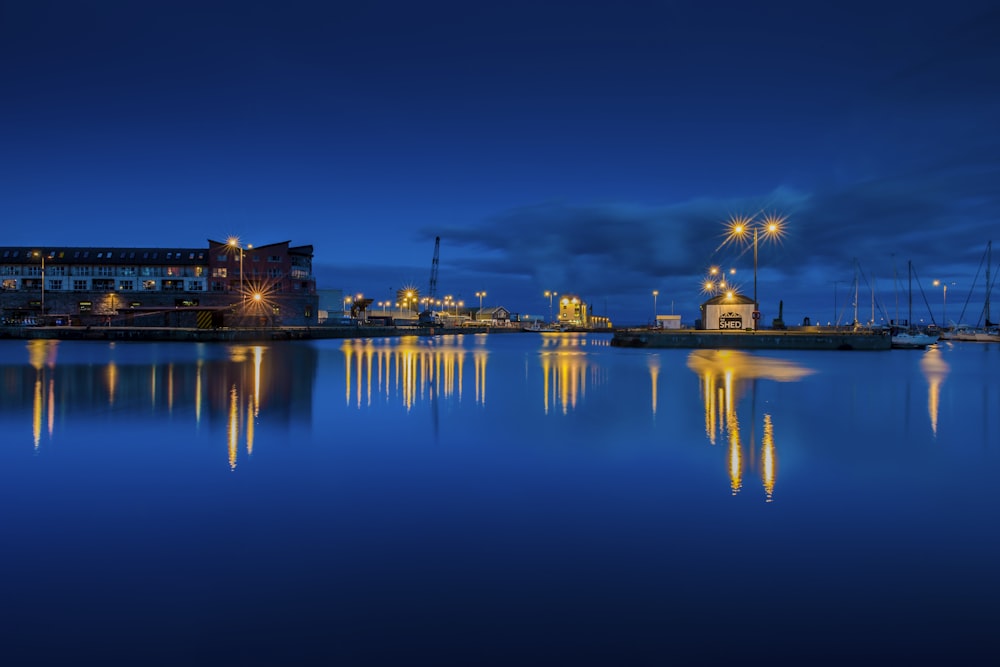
742,229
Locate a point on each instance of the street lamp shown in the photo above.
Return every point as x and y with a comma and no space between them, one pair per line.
234,242
944,300
42,255
480,295
550,295
656,293
740,228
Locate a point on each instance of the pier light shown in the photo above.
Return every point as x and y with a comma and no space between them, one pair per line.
550,294
656,293
480,295
742,229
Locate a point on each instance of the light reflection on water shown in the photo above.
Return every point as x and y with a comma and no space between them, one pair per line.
512,479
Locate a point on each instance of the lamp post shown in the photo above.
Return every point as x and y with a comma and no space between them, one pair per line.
656,293
944,300
234,242
740,228
42,256
550,295
480,295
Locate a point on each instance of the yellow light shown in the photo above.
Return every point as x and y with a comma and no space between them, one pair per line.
257,296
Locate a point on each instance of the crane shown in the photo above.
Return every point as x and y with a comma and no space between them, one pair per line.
428,317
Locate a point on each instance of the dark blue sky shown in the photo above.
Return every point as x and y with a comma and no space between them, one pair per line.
587,147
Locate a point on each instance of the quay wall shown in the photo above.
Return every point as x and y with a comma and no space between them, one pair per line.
180,334
753,340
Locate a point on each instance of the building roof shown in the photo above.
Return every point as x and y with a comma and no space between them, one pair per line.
723,300
104,255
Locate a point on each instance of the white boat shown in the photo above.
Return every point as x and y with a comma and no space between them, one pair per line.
542,327
912,340
991,335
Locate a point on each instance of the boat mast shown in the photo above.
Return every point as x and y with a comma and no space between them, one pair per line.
872,323
909,277
989,259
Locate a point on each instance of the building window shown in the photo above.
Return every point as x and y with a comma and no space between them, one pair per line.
274,259
126,285
102,284
196,286
82,270
219,272
31,283
308,312
9,283
275,309
79,285
256,258
222,258
218,286
56,270
149,285
11,270
173,285
274,273
55,284
105,270
199,271
127,271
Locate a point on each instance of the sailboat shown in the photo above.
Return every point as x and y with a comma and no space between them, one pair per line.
910,338
991,333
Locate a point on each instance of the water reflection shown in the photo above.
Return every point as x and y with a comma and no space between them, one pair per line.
935,370
725,377
412,369
237,383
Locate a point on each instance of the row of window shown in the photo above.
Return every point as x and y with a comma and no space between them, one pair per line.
108,284
99,284
107,254
88,270
226,257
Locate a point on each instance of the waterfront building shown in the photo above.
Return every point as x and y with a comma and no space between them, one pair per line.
223,284
727,312
573,311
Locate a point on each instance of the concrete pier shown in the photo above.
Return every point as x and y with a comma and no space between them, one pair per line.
180,334
753,340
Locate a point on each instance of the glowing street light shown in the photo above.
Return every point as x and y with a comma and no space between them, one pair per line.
656,293
550,295
944,300
741,229
234,242
480,295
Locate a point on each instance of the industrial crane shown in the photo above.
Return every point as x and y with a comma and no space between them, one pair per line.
428,317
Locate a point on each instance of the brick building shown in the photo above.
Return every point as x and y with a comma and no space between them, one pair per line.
222,284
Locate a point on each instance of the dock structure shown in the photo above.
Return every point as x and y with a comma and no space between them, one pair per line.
237,334
753,340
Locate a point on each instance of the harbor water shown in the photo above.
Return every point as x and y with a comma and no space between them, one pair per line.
477,499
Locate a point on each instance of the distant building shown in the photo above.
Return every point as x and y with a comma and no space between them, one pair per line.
727,312
219,285
573,311
668,321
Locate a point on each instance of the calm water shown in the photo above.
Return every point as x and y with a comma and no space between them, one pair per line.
516,499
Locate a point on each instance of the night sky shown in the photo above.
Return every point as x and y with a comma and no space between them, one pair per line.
596,148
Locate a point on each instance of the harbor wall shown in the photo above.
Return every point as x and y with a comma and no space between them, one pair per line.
753,340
